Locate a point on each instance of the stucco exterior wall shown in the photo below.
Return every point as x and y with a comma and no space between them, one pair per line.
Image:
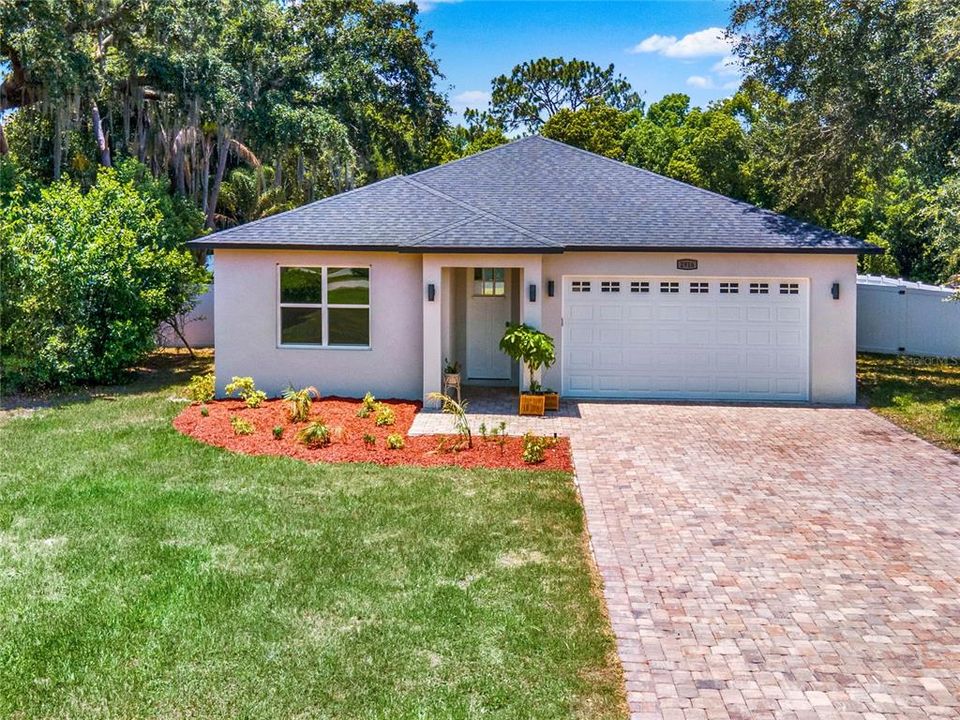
833,323
246,326
404,362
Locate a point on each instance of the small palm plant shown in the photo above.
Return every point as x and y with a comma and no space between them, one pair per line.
298,402
459,412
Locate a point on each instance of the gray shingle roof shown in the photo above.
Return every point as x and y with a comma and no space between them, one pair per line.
534,195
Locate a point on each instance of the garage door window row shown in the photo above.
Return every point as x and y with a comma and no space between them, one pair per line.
695,288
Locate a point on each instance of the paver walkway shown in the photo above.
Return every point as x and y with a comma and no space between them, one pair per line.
769,562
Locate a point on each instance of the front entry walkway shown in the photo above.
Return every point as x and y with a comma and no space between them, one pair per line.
771,562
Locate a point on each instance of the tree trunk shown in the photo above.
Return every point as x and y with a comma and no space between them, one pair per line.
4,148
57,143
222,150
99,136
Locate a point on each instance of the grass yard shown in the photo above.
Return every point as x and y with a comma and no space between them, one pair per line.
921,395
143,574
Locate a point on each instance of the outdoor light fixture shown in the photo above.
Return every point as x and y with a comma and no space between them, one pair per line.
835,291
551,288
431,292
533,292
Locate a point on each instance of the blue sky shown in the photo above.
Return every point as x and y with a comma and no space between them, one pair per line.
661,47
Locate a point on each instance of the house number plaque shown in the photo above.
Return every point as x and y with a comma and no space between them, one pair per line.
686,264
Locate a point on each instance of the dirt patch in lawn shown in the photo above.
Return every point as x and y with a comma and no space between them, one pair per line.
347,443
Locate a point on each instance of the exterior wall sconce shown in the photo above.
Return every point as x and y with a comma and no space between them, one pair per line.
533,292
551,288
431,292
835,291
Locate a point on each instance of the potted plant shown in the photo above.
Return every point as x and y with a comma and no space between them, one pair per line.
451,372
535,349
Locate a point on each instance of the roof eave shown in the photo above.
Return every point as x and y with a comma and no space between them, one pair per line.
790,250
205,244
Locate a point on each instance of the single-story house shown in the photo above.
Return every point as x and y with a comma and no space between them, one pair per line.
651,288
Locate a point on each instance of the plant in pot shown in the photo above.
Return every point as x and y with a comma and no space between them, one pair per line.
535,349
451,372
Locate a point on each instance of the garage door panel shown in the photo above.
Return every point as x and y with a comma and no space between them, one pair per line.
669,335
610,313
669,312
609,336
581,335
700,314
727,336
691,342
609,359
580,359
579,383
697,336
696,361
760,362
759,314
789,338
639,312
581,312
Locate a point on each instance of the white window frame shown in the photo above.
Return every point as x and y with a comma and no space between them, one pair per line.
324,308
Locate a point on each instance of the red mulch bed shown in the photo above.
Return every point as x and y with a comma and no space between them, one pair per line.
421,450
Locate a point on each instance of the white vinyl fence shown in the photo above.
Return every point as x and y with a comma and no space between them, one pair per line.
900,316
197,328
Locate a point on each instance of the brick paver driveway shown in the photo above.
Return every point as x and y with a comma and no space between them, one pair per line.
766,562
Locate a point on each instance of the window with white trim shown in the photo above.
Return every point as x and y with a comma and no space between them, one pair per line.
789,288
699,288
609,286
729,288
669,287
580,286
640,286
324,306
759,288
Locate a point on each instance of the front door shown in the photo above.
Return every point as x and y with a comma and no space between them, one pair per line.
488,312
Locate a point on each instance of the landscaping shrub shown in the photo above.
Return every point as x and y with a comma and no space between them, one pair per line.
299,401
367,406
205,411
535,448
384,415
202,388
369,440
89,274
241,426
395,441
316,434
277,432
246,390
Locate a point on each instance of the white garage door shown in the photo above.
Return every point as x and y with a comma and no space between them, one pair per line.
676,337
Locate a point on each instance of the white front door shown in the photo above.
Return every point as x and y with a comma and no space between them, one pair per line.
733,338
488,312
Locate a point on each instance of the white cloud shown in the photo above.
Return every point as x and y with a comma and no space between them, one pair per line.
699,81
472,98
728,66
703,43
655,43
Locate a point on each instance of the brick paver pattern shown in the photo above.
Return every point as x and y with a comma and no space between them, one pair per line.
771,562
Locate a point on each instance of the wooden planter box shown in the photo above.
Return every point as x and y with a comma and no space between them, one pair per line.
551,401
531,404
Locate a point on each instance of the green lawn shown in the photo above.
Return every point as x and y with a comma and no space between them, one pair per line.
143,574
919,394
